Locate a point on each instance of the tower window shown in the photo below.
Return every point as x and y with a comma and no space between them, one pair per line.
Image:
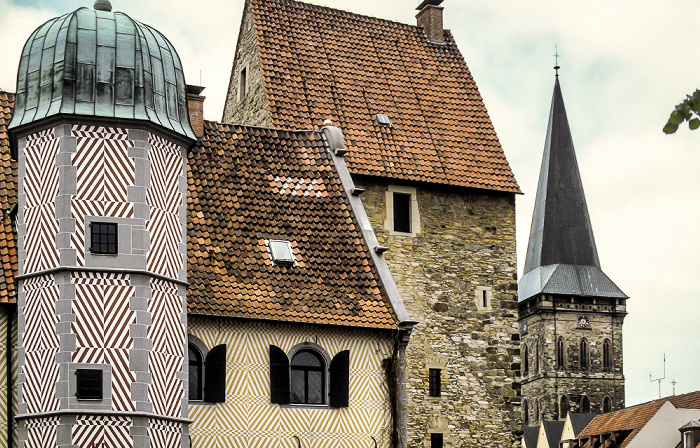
88,384
526,414
434,382
435,440
560,353
607,364
607,405
584,354
402,212
242,84
307,378
103,237
585,405
526,364
563,407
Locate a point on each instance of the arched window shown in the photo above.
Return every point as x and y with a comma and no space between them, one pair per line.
584,354
607,359
195,369
537,357
607,405
537,411
585,405
563,406
526,414
560,354
307,378
526,365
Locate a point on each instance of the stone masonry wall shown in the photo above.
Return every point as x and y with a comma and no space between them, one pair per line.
466,242
252,109
545,384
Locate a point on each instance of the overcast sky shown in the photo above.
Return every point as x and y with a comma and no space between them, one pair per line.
625,65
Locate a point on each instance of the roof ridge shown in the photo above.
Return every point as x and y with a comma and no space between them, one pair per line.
229,125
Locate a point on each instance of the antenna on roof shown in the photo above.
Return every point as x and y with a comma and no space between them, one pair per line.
660,379
674,386
556,61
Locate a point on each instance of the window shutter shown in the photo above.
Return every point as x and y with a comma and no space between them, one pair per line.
340,380
215,375
279,376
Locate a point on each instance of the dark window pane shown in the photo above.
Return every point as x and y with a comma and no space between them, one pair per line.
195,370
298,387
435,440
315,387
89,384
103,238
402,212
306,359
434,380
307,377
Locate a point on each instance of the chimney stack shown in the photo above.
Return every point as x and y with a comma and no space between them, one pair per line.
195,103
430,18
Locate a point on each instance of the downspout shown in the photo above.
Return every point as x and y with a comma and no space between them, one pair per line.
395,369
10,394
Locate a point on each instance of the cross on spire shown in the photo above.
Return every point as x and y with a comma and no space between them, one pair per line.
556,61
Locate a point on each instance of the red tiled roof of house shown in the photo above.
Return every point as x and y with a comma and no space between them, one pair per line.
324,63
247,185
634,418
8,200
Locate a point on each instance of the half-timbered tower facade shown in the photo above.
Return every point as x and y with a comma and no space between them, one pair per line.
570,312
100,131
438,190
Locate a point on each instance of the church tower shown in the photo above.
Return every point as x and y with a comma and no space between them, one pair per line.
101,131
570,312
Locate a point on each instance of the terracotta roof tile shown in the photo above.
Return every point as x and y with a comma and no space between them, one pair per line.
248,185
8,199
634,418
325,63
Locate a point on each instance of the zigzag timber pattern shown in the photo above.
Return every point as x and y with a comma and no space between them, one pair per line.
102,432
4,424
41,433
40,186
15,373
104,173
248,419
102,321
165,200
164,434
41,344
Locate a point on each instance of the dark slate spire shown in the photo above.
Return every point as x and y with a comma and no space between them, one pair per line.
561,255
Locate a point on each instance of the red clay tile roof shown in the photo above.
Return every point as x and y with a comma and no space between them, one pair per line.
8,199
248,185
325,63
634,418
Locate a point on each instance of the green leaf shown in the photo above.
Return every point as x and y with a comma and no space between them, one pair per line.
670,128
676,118
694,124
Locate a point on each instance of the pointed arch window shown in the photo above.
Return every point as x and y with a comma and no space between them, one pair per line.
526,366
607,405
583,353
537,357
585,405
563,406
526,413
561,362
607,356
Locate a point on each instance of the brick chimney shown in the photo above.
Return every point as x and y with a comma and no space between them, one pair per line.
430,18
195,103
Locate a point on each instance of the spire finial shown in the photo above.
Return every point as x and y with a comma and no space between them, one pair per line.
103,5
556,61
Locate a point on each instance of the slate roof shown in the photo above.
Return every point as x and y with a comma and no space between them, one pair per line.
530,434
580,420
324,63
247,185
634,418
8,200
553,429
562,257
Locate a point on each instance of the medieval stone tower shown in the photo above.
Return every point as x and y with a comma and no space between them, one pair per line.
100,131
570,312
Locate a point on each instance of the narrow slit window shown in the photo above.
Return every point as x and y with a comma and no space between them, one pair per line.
484,298
103,238
435,440
243,80
434,382
88,384
402,212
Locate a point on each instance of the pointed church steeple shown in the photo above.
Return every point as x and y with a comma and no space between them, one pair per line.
561,255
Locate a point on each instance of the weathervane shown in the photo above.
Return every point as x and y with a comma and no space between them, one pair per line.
556,61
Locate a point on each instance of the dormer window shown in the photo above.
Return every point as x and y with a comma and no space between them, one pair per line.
103,238
281,252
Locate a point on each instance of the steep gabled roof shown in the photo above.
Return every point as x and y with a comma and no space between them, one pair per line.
562,257
552,430
250,185
321,63
8,201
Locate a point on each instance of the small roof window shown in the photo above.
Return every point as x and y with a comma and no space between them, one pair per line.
383,120
281,251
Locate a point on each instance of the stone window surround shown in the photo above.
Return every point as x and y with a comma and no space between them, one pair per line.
92,404
307,345
479,298
126,257
415,216
245,69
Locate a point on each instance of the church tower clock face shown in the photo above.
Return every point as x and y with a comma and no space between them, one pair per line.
583,322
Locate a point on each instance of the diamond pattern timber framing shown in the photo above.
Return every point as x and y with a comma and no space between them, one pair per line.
248,419
164,198
104,173
102,322
40,187
104,432
41,344
168,333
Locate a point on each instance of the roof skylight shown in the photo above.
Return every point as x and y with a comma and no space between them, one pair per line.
383,120
281,251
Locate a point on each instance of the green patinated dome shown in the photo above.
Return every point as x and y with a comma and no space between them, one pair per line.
101,63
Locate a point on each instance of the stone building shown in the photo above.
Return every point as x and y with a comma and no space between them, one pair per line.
435,182
570,312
